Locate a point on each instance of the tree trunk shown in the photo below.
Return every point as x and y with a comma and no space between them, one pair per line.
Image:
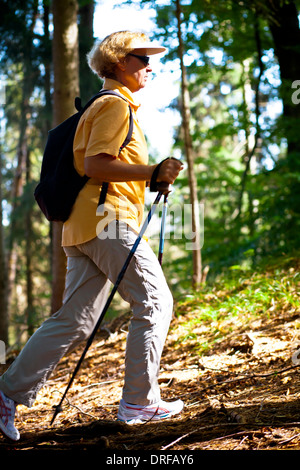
196,229
284,26
3,268
66,88
30,311
251,149
28,83
47,64
17,190
89,82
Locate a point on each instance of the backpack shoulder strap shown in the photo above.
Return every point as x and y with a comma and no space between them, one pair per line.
130,130
81,109
127,139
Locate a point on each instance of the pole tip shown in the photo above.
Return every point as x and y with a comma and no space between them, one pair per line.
58,409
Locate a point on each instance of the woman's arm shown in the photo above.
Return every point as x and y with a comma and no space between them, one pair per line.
108,168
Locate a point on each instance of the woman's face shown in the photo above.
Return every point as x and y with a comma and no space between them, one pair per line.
134,72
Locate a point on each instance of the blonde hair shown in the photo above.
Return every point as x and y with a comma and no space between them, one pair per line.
105,54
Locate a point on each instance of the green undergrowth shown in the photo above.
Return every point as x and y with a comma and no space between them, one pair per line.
236,300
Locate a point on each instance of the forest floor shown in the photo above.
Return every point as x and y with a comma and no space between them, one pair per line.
241,391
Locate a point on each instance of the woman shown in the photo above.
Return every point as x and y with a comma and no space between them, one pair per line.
95,258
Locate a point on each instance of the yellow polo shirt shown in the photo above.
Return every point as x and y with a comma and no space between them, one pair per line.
103,129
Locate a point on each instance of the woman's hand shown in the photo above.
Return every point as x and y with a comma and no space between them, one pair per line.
169,170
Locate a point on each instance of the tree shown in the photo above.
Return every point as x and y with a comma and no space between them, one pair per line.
197,262
89,82
66,88
3,267
284,26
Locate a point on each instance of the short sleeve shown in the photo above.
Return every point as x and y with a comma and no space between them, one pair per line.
108,127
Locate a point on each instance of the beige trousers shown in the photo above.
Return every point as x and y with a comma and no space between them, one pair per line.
91,268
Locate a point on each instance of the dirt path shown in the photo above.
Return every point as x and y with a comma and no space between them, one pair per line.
243,395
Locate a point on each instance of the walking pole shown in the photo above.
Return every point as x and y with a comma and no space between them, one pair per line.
162,189
163,228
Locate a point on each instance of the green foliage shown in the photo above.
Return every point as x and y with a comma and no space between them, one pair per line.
231,44
18,39
239,297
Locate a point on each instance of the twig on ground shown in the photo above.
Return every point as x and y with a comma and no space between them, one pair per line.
77,407
289,440
246,377
211,426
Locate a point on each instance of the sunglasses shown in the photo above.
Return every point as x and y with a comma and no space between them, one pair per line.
144,58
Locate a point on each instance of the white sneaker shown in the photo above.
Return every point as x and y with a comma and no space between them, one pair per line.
7,417
136,414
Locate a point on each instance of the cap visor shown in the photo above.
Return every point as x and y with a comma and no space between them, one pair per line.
149,47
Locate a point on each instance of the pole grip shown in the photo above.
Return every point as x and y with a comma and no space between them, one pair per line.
163,187
153,183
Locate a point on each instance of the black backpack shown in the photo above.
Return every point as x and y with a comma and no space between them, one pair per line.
60,183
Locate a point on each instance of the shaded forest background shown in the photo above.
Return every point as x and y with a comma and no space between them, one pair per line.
239,103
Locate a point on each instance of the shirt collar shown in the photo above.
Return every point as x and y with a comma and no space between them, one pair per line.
110,84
